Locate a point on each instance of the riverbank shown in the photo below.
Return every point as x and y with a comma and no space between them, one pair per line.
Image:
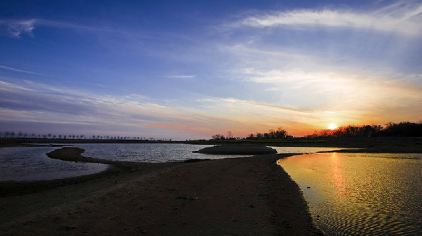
242,196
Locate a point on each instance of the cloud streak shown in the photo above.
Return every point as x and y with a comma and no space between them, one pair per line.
14,69
401,18
16,28
356,89
181,77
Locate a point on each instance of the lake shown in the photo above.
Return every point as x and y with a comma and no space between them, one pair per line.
361,194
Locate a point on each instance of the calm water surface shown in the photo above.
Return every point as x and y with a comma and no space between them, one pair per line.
148,152
361,194
32,163
162,152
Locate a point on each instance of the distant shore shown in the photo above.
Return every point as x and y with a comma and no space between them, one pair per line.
351,142
245,196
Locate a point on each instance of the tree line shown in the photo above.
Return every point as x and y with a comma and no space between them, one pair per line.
278,133
402,129
23,135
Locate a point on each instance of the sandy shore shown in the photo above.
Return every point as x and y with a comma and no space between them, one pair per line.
239,196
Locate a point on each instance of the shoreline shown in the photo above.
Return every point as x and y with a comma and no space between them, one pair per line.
248,196
74,154
350,145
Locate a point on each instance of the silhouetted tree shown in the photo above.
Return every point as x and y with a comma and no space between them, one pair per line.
218,137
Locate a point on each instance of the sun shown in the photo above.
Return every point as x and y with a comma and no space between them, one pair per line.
332,126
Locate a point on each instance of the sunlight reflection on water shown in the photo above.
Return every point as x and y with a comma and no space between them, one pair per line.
361,193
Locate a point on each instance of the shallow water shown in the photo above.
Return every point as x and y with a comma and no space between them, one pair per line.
32,163
162,152
361,194
148,152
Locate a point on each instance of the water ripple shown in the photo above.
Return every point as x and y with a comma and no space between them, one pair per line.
361,194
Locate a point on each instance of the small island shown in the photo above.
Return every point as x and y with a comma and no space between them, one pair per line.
239,149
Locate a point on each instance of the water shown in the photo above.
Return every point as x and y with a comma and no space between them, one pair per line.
148,152
32,163
361,194
163,152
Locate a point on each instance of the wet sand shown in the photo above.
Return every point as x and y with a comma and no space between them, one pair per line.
239,196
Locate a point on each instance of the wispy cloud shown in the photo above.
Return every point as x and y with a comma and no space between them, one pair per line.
402,18
182,77
14,69
16,28
340,89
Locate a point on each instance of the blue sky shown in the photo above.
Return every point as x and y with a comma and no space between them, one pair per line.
190,69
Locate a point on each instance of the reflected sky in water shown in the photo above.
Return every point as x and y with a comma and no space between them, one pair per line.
162,152
32,163
360,193
148,152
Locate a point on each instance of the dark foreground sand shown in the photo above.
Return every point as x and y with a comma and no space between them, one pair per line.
241,196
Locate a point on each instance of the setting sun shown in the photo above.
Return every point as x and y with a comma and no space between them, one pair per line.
332,126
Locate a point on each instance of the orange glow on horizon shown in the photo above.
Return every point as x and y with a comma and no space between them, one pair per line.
332,126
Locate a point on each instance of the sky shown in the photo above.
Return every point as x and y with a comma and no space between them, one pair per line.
191,69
